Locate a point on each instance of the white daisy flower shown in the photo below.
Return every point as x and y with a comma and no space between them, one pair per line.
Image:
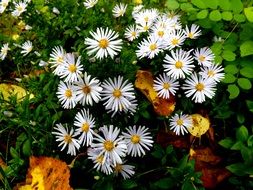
178,64
149,47
164,86
90,3
159,32
193,32
3,5
117,94
204,56
137,140
119,10
20,7
88,90
125,170
175,39
85,124
27,47
132,33
4,51
180,123
71,69
144,26
136,9
198,87
57,57
66,95
146,16
101,164
66,139
105,42
214,72
164,22
111,146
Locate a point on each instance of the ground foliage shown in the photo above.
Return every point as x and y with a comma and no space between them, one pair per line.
221,158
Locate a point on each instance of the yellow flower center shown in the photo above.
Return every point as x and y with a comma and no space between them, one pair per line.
146,19
135,139
86,89
180,122
211,73
103,43
153,47
19,8
160,33
175,41
146,28
108,145
121,12
67,139
72,68
4,4
116,93
133,34
202,58
179,65
166,85
200,86
191,35
68,93
99,159
118,168
85,127
59,59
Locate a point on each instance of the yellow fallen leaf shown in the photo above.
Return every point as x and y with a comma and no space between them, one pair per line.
8,90
200,125
46,173
144,82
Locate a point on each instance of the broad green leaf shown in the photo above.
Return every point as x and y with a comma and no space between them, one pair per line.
242,133
236,6
237,168
229,46
247,155
246,48
172,4
228,55
187,7
249,13
233,90
232,69
226,143
240,118
239,18
250,105
188,185
199,3
26,148
225,5
237,146
216,48
128,184
202,14
14,153
227,15
244,83
250,141
229,78
164,183
215,15
213,4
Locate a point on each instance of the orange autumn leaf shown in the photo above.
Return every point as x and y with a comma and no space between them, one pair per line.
46,173
144,82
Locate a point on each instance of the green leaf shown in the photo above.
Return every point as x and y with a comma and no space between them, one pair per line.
187,185
227,15
199,3
244,83
240,118
215,15
187,7
14,153
249,13
237,168
242,134
236,6
226,143
250,141
228,55
128,184
165,183
239,18
246,48
26,148
225,5
202,14
230,46
237,146
172,4
247,155
229,78
250,105
213,4
233,90
247,72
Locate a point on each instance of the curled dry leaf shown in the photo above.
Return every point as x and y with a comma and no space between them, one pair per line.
8,90
144,82
46,173
200,125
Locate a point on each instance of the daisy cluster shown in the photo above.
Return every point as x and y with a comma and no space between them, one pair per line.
17,9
